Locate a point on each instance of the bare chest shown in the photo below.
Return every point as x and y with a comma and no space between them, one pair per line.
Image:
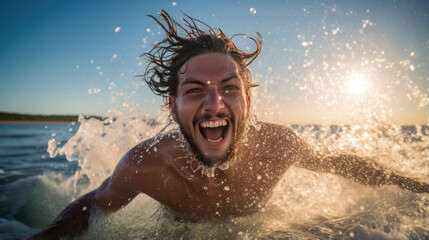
235,191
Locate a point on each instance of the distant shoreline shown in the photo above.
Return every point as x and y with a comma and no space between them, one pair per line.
36,122
17,118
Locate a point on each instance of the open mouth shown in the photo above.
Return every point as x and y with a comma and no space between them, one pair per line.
214,131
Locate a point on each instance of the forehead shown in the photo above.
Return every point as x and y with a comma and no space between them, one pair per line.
209,66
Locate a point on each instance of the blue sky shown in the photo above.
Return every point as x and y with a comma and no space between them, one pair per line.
70,57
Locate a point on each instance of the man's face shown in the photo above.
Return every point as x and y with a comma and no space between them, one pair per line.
211,106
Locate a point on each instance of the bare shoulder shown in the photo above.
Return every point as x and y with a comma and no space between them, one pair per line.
150,151
274,132
279,142
140,170
146,161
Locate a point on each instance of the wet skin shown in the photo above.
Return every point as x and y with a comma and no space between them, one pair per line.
211,91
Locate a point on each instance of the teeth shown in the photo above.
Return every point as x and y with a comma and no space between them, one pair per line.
211,124
214,141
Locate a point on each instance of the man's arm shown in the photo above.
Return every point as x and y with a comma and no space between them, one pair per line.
109,197
363,170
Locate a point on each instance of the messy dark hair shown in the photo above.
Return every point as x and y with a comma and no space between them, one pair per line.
183,42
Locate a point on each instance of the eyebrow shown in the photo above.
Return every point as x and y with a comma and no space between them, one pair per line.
229,78
199,82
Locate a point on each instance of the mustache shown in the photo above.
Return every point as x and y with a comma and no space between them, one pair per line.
207,116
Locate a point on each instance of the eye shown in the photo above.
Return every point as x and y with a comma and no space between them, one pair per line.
230,88
194,90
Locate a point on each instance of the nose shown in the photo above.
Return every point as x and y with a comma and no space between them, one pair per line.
213,101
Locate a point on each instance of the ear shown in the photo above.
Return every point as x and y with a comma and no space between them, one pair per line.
172,104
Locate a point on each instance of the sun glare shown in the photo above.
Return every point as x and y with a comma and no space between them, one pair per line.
357,83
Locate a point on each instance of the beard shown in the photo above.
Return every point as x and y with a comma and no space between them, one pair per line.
238,133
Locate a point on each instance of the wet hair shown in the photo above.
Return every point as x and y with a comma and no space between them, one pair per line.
187,40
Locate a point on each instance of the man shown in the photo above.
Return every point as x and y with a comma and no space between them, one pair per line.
220,163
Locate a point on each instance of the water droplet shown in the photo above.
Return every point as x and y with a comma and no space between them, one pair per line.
114,57
226,188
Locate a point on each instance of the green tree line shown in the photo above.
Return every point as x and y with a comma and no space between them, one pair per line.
42,118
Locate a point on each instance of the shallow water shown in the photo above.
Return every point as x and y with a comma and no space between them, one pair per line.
35,188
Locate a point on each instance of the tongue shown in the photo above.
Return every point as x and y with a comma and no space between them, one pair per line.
212,133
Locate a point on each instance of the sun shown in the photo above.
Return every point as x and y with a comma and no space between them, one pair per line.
357,84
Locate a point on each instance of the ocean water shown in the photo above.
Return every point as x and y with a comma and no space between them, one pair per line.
43,167
26,172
